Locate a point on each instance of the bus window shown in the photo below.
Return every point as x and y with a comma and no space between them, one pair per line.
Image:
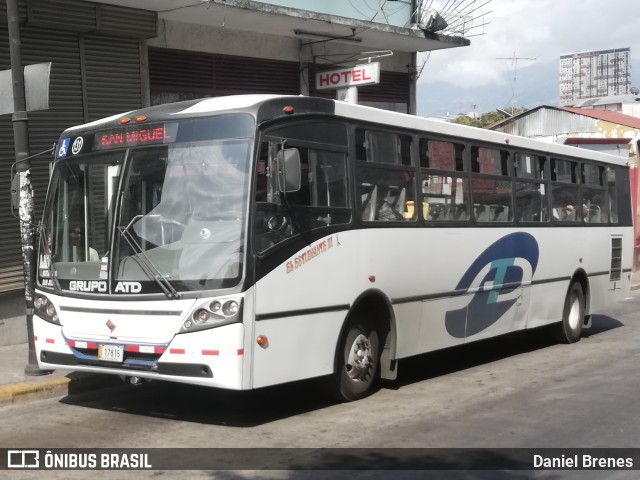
492,200
489,161
613,195
565,191
445,198
531,202
323,198
529,166
441,155
593,194
386,195
383,147
492,195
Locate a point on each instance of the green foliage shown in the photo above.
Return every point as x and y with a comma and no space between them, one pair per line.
488,118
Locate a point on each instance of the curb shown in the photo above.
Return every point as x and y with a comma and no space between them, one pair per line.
16,392
23,391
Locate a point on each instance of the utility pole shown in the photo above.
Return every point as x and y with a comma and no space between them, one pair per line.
23,166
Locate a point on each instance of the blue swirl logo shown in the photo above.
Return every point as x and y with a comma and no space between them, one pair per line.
494,277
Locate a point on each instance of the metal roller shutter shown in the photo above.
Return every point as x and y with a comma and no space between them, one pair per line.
65,109
179,75
112,71
111,85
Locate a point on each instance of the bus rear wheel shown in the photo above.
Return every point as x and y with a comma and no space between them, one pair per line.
358,362
573,315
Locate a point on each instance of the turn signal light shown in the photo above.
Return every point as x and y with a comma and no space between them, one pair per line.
124,120
288,110
141,118
263,341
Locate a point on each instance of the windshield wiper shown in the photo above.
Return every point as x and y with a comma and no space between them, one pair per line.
53,270
145,263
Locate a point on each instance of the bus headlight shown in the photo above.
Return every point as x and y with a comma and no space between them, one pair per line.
214,313
230,307
201,316
45,309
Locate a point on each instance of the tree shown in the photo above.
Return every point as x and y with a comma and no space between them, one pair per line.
489,118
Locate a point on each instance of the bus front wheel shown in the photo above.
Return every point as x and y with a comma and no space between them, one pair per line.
572,315
358,362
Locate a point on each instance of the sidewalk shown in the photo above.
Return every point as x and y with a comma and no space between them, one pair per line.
16,386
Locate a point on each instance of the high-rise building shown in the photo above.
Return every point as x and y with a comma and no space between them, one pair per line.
594,74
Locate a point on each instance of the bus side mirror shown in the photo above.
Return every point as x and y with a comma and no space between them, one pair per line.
289,176
15,193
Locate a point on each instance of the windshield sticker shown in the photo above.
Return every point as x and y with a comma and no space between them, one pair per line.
309,254
77,145
63,149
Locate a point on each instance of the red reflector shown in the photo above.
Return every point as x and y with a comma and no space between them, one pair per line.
241,351
35,338
177,351
210,352
50,340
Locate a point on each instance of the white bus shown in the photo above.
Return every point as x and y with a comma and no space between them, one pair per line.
247,241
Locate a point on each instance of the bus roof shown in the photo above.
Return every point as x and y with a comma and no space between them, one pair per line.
254,103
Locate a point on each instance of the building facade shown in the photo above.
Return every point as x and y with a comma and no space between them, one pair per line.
112,56
594,74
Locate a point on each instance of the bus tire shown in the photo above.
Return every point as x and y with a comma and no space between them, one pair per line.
572,315
358,362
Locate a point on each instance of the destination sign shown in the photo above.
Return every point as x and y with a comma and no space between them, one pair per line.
132,136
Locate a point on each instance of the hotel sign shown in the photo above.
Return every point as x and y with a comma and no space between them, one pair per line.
366,74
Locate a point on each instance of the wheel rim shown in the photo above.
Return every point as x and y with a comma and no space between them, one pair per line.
574,313
360,359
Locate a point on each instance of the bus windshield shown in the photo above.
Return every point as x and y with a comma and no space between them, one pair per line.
182,214
168,217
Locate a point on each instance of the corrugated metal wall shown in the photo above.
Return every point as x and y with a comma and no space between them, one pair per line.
548,122
64,32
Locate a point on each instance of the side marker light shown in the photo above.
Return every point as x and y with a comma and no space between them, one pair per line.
263,341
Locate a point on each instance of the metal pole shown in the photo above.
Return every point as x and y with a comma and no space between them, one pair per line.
23,165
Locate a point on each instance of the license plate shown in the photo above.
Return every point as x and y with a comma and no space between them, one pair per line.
111,353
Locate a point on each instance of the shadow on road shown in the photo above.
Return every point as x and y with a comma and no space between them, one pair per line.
443,362
246,409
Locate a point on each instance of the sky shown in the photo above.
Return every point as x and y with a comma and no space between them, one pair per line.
540,29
